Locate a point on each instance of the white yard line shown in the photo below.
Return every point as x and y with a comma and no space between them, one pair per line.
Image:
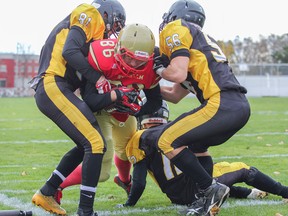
65,141
251,202
17,204
34,141
251,156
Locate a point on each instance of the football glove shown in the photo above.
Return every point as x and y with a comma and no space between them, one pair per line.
103,86
160,62
127,101
129,95
126,107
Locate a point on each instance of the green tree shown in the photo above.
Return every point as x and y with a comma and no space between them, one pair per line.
281,56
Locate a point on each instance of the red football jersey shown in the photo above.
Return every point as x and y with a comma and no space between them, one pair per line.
101,58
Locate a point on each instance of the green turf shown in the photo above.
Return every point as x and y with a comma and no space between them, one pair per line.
27,159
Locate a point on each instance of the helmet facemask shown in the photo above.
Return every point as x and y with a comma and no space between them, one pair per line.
113,14
114,26
132,62
166,19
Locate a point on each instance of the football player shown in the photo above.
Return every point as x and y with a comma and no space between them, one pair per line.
180,189
123,62
127,61
198,65
63,67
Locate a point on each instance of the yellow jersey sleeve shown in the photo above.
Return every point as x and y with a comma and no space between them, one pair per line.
173,37
88,18
134,153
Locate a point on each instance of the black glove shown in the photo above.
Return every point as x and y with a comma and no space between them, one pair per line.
129,95
127,100
160,62
125,107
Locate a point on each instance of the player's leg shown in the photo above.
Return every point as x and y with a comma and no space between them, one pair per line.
122,134
105,121
74,117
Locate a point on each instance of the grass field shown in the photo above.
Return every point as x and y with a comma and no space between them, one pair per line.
31,146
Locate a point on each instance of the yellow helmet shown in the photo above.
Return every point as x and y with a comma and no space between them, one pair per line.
135,47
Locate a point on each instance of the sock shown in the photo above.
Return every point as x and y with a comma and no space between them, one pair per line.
190,166
91,168
86,201
239,192
74,178
267,184
123,168
207,164
51,185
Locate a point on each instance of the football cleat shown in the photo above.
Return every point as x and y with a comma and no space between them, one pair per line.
48,203
125,186
257,194
209,201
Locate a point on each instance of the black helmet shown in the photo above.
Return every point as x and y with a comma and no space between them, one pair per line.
113,14
159,117
188,10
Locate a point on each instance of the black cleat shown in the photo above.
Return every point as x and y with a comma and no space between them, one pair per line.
209,201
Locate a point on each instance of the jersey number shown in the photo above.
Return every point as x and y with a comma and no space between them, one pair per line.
84,19
217,53
109,51
173,41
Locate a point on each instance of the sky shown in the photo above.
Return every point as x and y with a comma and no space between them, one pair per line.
29,22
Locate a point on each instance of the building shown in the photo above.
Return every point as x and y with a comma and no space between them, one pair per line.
16,70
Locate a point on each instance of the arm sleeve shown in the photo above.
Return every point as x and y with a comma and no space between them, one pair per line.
154,101
139,183
95,101
75,58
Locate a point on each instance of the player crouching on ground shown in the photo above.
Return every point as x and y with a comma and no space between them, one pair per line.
180,189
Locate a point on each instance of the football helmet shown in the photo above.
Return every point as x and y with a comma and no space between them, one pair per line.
188,10
135,48
161,116
113,14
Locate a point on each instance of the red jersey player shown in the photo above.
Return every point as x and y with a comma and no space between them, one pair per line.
126,61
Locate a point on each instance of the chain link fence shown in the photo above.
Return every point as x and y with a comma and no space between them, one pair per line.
259,79
263,79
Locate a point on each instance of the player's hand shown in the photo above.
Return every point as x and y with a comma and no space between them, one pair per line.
126,107
103,85
129,95
160,62
158,66
127,101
